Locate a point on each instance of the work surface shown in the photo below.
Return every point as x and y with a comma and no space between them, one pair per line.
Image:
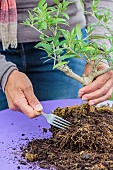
16,130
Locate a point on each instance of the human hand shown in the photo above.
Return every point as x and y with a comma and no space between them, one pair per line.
100,89
20,95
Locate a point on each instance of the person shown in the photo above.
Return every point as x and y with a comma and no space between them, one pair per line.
24,79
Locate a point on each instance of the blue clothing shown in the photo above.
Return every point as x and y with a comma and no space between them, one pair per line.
48,84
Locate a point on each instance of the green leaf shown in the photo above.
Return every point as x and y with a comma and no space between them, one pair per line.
97,37
56,43
56,39
31,17
27,22
94,58
100,17
41,3
105,19
65,56
58,20
56,1
64,32
49,38
78,31
62,42
110,50
59,51
88,49
47,47
95,2
44,25
59,64
90,29
65,15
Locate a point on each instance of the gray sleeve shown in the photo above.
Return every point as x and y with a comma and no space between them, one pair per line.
5,70
103,4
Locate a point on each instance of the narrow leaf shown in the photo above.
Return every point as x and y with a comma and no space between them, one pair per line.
44,45
67,56
79,33
44,25
65,15
41,3
56,1
59,64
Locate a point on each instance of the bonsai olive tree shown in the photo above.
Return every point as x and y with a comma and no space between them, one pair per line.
48,21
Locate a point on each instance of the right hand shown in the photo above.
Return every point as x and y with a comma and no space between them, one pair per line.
100,89
20,95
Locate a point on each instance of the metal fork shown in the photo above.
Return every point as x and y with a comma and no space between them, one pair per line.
57,121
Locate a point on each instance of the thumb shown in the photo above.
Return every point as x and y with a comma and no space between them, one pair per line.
33,101
88,69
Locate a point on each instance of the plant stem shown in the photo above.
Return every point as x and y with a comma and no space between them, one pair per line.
38,30
70,73
104,71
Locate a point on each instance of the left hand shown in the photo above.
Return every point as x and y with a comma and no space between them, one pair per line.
20,95
100,89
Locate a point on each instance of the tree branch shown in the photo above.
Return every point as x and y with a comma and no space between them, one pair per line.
70,73
104,71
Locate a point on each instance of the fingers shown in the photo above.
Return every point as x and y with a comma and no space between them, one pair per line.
99,95
98,87
32,100
20,95
95,85
21,104
88,69
29,104
102,98
98,91
28,110
99,82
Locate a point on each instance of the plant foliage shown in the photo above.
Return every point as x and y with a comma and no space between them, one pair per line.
48,21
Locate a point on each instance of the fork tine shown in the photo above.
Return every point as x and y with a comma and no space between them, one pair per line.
63,120
58,126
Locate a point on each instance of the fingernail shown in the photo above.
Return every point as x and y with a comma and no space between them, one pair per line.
85,98
92,103
37,113
38,107
80,93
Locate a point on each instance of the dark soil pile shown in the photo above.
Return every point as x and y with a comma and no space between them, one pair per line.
86,145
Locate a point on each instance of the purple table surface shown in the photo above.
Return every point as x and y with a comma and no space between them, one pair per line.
16,130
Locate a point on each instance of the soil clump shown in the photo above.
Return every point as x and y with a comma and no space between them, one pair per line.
86,145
